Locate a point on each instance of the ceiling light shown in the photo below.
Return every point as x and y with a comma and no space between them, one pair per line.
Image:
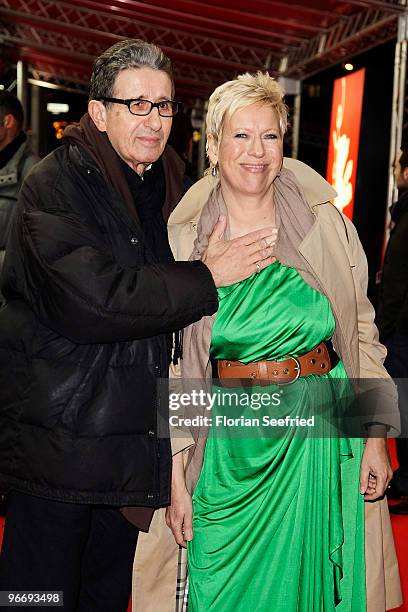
57,107
348,67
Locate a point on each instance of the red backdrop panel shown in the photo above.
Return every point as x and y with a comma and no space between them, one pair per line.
344,138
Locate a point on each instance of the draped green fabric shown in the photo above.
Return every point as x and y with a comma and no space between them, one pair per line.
278,521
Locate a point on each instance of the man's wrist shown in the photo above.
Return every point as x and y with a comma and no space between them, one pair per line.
216,279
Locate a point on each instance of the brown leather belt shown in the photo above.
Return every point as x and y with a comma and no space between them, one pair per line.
272,372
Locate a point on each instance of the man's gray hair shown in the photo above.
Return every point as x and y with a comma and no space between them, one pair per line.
131,53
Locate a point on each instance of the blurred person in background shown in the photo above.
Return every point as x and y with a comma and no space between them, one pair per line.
181,139
392,318
16,160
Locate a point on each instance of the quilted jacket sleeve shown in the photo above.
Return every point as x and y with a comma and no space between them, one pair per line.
59,266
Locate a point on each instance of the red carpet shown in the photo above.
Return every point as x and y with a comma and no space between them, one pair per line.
1,529
400,528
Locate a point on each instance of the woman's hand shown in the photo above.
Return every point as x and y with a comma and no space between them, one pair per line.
376,471
179,515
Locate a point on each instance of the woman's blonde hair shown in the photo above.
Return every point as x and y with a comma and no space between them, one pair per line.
245,90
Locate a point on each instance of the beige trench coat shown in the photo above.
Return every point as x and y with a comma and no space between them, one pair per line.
155,567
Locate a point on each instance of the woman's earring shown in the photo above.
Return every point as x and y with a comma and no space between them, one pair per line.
214,171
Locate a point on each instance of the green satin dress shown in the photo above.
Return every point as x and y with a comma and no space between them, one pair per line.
278,520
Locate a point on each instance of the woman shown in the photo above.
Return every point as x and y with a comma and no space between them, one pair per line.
257,499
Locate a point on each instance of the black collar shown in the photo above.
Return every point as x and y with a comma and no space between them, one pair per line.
11,149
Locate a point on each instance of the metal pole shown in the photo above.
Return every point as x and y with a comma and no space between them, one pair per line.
22,87
397,115
201,145
35,119
293,87
296,125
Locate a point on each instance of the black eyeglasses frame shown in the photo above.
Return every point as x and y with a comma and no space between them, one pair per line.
128,101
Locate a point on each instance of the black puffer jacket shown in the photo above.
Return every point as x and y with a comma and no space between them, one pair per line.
82,341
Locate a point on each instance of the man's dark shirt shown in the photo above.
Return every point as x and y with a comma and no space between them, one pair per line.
149,193
392,314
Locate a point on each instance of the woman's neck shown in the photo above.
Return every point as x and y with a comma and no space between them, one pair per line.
249,213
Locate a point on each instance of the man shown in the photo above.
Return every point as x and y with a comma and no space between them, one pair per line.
392,317
16,160
93,295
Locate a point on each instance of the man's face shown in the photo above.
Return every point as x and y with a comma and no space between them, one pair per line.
400,174
138,140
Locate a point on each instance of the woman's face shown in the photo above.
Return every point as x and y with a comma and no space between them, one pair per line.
251,150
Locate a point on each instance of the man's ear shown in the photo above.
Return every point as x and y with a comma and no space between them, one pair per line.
212,149
9,121
405,175
97,112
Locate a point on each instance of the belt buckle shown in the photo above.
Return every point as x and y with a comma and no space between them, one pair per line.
297,369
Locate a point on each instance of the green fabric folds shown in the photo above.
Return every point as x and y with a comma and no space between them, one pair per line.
278,521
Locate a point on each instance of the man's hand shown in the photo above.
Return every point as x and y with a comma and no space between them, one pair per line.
376,471
179,516
231,261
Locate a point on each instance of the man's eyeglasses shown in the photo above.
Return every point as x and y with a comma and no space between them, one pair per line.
166,108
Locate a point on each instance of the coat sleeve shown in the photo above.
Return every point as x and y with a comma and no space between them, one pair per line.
79,291
375,379
372,352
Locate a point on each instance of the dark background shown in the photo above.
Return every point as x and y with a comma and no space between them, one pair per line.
372,167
